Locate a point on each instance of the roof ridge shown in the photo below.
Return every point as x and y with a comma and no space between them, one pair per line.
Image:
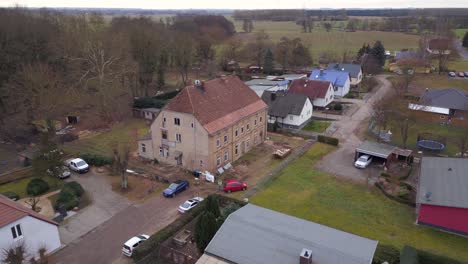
19,207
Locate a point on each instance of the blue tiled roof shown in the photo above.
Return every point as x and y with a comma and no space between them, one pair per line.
337,78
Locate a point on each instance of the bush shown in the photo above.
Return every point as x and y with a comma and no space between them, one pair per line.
403,192
205,229
167,96
386,253
37,186
212,206
385,175
11,195
74,188
328,140
67,199
96,160
338,107
68,137
149,102
230,209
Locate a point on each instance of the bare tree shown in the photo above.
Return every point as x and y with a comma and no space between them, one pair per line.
42,257
33,202
15,254
183,52
121,157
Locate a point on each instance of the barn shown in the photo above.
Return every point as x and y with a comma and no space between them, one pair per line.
442,199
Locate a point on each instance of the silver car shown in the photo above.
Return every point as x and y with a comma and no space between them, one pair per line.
363,161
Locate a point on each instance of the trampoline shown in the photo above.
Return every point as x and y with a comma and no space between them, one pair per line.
431,145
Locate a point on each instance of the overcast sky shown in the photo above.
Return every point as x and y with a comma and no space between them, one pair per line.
235,4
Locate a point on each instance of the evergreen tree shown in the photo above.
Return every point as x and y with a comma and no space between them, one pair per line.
212,206
465,40
378,51
205,229
268,65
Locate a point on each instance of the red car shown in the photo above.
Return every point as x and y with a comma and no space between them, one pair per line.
461,74
234,186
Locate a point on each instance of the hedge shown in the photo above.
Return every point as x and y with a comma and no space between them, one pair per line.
96,160
328,140
395,198
148,102
11,195
150,248
67,199
73,187
386,253
37,186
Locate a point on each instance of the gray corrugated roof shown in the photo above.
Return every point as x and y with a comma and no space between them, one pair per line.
265,82
376,149
443,186
284,104
256,235
353,69
447,98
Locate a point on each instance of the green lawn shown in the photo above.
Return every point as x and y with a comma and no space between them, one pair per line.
460,32
104,143
317,126
19,186
304,192
435,81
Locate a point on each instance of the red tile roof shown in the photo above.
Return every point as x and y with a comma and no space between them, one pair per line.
220,103
11,211
311,88
439,44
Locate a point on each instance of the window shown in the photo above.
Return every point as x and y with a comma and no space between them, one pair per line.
236,133
260,119
143,148
178,137
225,139
191,124
442,117
161,151
248,127
242,130
16,231
177,121
218,161
201,163
164,134
226,156
248,143
236,150
255,122
218,143
255,138
164,122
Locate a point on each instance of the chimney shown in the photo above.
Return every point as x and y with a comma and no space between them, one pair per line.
306,256
273,96
337,66
427,90
199,85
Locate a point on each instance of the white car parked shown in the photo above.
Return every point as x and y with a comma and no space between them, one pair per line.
77,165
363,161
189,204
132,243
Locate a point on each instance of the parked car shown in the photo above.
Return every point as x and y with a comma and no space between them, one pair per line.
132,243
461,74
189,204
77,165
363,161
234,186
466,74
63,172
452,74
175,188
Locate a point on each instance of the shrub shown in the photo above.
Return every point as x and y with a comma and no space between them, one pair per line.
205,229
385,175
328,140
147,102
403,192
212,206
167,96
67,199
96,160
74,188
409,255
338,107
231,208
37,186
68,137
11,195
386,253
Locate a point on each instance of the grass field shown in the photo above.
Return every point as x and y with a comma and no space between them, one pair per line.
19,187
319,197
460,32
435,81
104,143
334,41
317,126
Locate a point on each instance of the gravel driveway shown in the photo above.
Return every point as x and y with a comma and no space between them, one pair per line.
340,162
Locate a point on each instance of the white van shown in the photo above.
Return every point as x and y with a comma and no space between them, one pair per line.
132,243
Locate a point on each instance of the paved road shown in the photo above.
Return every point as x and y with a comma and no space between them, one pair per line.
103,244
340,162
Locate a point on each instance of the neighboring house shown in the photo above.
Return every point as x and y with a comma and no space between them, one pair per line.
439,46
407,55
442,198
292,76
319,92
287,110
207,125
19,224
339,79
256,235
447,106
354,70
261,85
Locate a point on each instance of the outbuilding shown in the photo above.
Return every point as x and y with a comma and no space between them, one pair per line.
377,150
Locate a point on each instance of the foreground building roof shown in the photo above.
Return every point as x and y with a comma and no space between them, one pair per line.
256,235
11,211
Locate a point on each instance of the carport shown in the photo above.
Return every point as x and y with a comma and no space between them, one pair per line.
374,149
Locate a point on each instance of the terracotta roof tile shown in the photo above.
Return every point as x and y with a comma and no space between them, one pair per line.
11,211
311,88
220,103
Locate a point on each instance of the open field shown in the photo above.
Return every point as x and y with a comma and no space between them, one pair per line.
104,143
322,198
460,32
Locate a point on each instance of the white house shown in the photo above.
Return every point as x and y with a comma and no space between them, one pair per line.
19,224
288,110
321,93
339,79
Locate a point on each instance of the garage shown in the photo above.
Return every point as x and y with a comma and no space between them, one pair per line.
378,151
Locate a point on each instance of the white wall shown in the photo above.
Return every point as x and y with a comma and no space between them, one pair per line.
356,81
148,153
298,120
342,91
36,233
323,102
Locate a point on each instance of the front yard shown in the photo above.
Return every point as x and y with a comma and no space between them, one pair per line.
302,191
317,126
19,186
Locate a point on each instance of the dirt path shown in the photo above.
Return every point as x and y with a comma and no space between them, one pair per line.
340,162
